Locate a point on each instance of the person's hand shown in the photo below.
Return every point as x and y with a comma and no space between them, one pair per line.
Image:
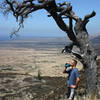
73,86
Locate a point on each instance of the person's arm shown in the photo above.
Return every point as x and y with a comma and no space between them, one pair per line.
64,71
67,70
77,82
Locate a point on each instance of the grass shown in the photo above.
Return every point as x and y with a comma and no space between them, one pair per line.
39,75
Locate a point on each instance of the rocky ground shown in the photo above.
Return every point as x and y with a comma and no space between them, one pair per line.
22,86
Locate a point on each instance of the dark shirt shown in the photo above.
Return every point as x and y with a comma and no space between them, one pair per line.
73,75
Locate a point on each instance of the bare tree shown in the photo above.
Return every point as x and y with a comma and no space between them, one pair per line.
77,33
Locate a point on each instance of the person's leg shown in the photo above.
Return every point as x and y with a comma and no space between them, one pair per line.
72,94
69,91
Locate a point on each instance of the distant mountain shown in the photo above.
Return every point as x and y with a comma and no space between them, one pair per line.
96,43
94,35
96,40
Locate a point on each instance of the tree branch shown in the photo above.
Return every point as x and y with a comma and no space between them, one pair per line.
24,8
11,5
63,26
21,10
86,19
70,24
53,9
67,11
89,16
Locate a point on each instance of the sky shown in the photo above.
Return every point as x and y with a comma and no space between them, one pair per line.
38,24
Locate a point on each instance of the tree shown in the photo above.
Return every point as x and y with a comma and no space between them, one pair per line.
77,34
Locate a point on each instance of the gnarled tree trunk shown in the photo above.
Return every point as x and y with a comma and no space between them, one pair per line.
88,59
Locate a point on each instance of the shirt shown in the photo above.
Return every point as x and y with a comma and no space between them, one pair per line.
73,75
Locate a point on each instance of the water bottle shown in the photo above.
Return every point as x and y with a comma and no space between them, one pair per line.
67,65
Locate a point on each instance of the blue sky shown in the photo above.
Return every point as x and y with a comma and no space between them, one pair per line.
38,24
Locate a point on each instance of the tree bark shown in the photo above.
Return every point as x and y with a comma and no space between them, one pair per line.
88,59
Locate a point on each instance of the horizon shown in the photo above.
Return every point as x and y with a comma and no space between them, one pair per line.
20,36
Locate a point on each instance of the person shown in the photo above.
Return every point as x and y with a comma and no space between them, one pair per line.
73,78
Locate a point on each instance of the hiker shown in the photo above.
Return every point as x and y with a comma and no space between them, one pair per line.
73,78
